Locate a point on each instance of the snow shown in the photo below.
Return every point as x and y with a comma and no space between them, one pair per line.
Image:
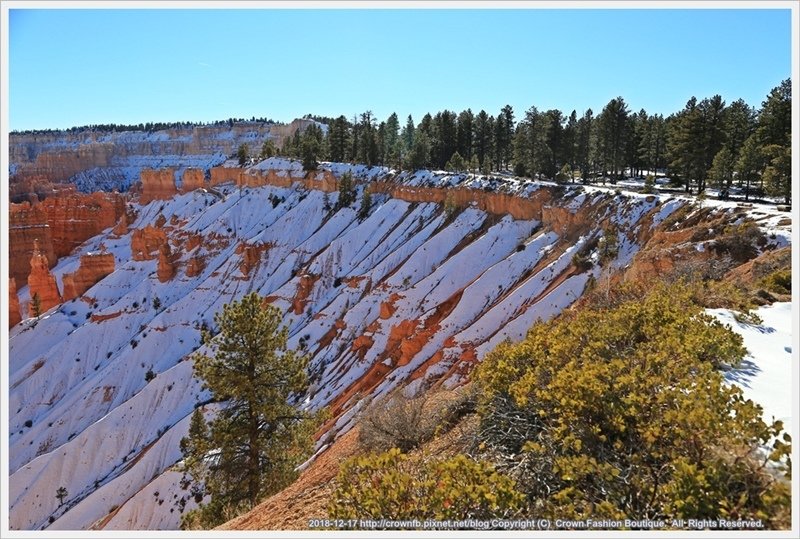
765,375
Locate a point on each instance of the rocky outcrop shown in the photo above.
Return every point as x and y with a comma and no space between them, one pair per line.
157,184
221,175
251,255
166,264
195,266
93,267
59,223
27,224
193,178
78,217
146,242
14,316
41,284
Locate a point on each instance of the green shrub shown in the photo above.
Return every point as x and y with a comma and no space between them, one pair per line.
391,486
621,412
779,281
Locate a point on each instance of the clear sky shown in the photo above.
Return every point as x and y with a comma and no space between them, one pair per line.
79,66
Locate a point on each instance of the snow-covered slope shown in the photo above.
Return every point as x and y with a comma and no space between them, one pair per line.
413,292
765,375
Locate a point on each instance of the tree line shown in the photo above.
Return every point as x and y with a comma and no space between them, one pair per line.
709,143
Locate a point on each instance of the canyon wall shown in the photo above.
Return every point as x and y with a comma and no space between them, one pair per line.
96,160
59,224
93,267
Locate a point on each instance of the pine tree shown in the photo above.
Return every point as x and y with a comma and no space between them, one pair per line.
36,305
338,140
366,204
464,134
721,173
61,493
243,153
267,149
778,173
482,137
456,163
347,192
418,158
749,164
258,437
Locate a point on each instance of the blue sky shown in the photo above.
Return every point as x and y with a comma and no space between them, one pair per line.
78,66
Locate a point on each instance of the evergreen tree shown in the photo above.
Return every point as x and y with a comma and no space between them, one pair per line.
36,305
775,119
612,134
739,122
464,134
407,135
267,149
418,157
686,137
456,163
721,173
749,164
778,173
392,149
583,144
347,191
258,438
243,153
338,139
570,140
482,137
366,204
507,114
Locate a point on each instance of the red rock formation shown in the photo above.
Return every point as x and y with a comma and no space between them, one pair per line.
14,316
60,223
145,242
193,178
41,283
194,240
304,288
78,217
27,224
93,267
195,266
251,255
157,184
224,175
166,266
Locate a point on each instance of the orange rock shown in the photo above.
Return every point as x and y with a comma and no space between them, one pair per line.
251,255
78,217
304,288
93,267
224,175
193,178
14,316
166,267
157,184
195,266
146,241
27,224
41,283
195,240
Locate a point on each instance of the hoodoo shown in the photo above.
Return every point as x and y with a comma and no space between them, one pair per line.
41,283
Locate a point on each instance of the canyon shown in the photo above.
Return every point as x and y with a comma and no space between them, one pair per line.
408,294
